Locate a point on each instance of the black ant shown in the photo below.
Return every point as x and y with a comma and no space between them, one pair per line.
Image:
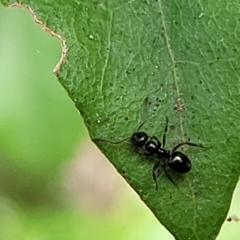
175,160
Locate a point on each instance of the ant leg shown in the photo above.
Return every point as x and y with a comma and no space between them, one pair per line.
187,143
165,132
147,154
143,152
165,171
145,113
154,174
169,177
105,140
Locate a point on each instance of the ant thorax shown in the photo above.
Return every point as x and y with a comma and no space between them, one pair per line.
151,147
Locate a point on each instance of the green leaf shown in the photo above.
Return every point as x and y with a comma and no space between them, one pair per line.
184,56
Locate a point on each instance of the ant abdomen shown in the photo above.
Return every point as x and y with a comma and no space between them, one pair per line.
179,162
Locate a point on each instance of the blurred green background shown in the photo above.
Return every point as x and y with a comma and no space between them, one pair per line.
54,183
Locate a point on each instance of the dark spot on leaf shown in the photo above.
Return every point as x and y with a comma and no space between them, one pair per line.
233,218
126,118
128,72
235,50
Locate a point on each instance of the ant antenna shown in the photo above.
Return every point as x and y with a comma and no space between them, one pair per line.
145,112
105,140
145,118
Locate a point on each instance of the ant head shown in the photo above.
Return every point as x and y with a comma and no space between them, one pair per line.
179,162
139,139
